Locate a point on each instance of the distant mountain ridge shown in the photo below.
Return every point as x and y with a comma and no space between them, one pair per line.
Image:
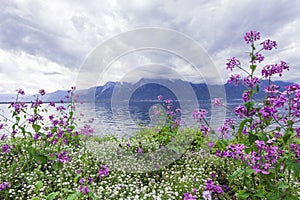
145,89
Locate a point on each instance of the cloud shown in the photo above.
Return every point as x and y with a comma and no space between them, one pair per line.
22,70
63,33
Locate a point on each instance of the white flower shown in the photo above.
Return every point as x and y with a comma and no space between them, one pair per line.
206,195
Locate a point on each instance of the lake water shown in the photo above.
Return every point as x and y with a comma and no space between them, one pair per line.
126,118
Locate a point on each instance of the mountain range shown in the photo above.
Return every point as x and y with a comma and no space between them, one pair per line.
148,89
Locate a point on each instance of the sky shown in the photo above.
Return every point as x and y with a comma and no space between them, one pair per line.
46,44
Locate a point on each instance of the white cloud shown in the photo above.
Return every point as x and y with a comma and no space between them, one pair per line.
60,34
22,70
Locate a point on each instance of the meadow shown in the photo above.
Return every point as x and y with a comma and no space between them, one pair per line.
48,156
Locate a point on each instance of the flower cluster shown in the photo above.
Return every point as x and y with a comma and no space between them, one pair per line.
4,186
84,189
103,171
272,69
210,186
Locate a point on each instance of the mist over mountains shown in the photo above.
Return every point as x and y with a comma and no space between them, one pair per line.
148,90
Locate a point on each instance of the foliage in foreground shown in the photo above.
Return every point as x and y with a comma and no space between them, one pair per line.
46,156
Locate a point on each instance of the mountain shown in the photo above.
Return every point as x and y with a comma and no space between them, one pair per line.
147,89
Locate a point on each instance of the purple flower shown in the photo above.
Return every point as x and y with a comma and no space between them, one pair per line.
204,129
272,89
159,97
21,92
87,130
297,132
235,79
246,96
189,196
269,44
252,36
1,126
81,181
36,136
240,111
90,180
272,69
62,157
199,114
213,188
42,92
84,189
5,148
260,144
232,62
3,136
211,145
251,81
217,102
140,151
4,185
259,57
103,171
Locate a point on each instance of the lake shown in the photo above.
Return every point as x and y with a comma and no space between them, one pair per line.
126,118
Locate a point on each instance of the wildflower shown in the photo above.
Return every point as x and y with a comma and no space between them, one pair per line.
4,185
252,36
84,189
240,111
272,69
272,89
42,92
251,81
62,157
232,62
246,96
3,136
103,171
140,151
297,132
159,97
81,181
206,194
199,114
259,57
21,92
36,136
189,196
217,102
235,79
269,44
5,148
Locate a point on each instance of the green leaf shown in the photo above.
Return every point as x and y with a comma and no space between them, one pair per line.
38,186
41,158
52,195
252,138
287,135
282,185
260,194
36,127
249,105
73,196
241,126
30,150
294,166
253,67
243,194
235,174
35,198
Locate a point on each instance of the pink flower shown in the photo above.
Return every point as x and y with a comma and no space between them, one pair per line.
159,97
